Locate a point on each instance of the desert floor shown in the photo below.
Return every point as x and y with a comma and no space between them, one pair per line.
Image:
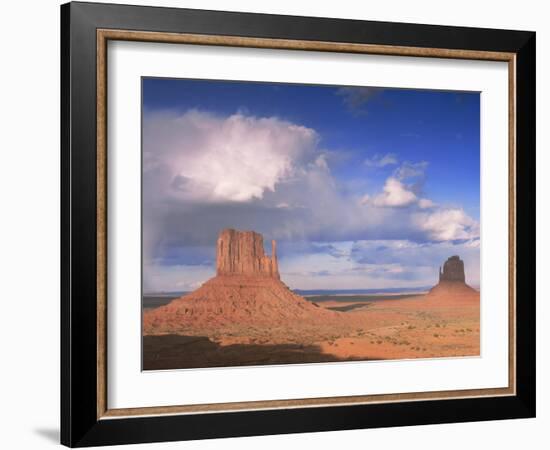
439,324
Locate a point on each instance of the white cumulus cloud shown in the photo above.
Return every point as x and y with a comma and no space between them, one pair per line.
395,194
447,224
236,158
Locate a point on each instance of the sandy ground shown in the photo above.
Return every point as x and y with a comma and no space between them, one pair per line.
440,324
419,328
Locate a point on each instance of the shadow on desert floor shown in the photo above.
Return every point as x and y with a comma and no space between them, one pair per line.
184,352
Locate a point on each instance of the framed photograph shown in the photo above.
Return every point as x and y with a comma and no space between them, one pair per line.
276,224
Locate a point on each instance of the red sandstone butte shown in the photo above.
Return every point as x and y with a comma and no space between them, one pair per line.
242,253
247,290
452,279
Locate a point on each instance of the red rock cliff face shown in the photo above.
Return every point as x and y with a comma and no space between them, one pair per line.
242,253
452,279
453,270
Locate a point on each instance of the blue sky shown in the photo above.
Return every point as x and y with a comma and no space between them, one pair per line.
352,182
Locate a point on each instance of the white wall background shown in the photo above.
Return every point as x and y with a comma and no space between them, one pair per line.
29,224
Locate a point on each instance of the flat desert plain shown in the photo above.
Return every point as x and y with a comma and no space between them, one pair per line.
441,323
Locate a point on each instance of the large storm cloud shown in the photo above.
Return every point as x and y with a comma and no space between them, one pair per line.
203,172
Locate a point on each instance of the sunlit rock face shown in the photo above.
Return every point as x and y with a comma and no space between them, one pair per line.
242,253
